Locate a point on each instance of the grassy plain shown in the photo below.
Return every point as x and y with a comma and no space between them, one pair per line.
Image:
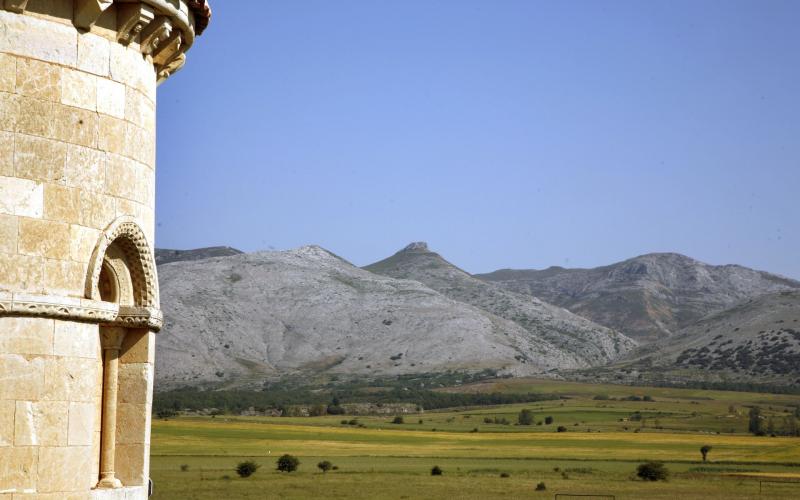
604,442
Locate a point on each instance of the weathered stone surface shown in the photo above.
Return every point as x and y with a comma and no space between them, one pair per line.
41,423
21,377
7,410
138,347
26,336
139,109
6,154
81,424
79,340
97,210
93,54
34,117
9,110
38,79
39,159
8,72
64,277
21,273
44,238
85,168
38,39
112,134
132,423
8,234
79,89
18,468
61,203
82,242
64,469
76,126
111,98
130,461
69,379
135,382
21,197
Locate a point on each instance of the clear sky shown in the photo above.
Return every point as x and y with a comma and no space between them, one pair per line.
511,133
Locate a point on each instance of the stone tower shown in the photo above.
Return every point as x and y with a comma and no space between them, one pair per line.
79,300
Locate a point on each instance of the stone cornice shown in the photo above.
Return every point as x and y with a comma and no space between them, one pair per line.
164,29
86,310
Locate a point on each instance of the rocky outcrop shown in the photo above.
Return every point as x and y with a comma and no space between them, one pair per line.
588,343
649,297
242,319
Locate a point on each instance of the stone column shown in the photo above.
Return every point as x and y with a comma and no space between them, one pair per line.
112,343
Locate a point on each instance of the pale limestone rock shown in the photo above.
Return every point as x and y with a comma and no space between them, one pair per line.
79,89
38,39
81,424
7,410
43,238
61,203
77,340
21,273
85,168
64,469
40,160
21,197
93,54
8,73
35,117
41,423
71,379
21,377
82,242
65,277
18,468
9,109
8,234
111,98
27,336
38,79
76,126
6,154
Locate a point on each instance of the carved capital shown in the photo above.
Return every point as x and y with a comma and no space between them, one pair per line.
131,20
88,11
155,33
168,49
111,338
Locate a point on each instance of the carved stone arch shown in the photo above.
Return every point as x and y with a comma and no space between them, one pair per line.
130,244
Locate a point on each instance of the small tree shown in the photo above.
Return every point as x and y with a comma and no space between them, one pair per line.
548,420
525,417
325,466
398,420
652,471
561,428
288,463
704,451
436,471
754,424
247,469
541,486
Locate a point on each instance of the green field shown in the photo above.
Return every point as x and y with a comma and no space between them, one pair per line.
604,442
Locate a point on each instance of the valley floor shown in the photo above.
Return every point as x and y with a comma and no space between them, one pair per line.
603,443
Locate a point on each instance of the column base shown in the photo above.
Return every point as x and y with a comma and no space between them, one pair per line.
109,482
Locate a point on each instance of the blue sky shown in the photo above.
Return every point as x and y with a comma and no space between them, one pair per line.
504,133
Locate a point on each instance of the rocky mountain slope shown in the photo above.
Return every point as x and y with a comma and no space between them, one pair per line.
241,319
165,255
649,297
755,341
589,343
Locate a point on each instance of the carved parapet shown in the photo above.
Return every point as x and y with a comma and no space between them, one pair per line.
163,29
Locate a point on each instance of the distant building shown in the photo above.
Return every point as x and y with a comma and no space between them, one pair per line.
79,302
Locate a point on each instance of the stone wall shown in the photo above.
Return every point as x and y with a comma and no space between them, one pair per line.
77,171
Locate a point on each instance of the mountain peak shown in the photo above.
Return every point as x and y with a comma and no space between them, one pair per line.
417,246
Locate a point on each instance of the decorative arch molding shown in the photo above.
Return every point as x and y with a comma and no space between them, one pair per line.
131,240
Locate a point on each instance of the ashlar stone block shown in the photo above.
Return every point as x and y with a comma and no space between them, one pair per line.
39,159
75,125
38,39
64,277
69,379
85,168
41,423
8,234
79,340
63,469
79,89
61,203
6,154
81,424
26,336
111,98
21,273
21,197
44,238
8,73
93,54
7,410
18,468
97,211
21,377
82,243
34,117
38,79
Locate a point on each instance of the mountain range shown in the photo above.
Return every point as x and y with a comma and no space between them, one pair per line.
238,320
